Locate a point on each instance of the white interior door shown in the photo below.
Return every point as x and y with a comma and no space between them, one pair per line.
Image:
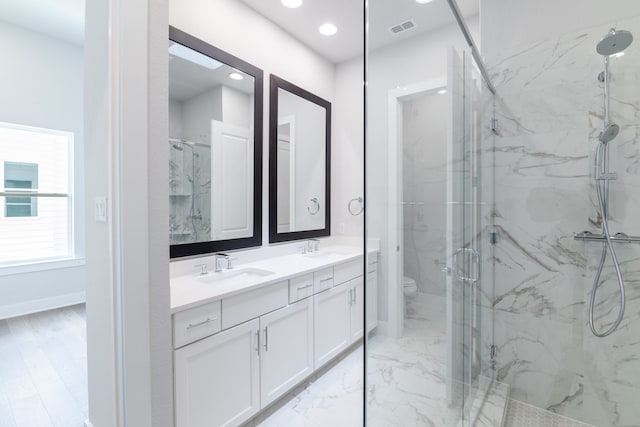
286,190
231,181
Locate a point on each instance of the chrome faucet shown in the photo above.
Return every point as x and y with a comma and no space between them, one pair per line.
216,261
313,245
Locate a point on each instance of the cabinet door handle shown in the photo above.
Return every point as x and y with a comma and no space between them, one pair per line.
258,342
305,286
372,271
350,297
354,297
266,338
204,322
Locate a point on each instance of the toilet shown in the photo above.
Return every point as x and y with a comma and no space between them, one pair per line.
409,287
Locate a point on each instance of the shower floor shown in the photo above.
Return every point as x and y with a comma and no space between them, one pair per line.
522,415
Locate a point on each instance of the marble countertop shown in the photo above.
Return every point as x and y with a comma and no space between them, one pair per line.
191,290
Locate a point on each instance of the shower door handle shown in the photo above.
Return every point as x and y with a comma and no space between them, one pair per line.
471,257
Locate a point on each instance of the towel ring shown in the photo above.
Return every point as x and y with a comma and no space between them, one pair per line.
316,205
350,206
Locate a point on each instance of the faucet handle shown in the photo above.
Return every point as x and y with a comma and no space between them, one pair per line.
229,264
203,269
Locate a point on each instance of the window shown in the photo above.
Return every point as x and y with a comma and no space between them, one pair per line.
35,165
23,177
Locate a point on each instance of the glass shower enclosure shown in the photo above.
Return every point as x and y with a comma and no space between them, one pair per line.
430,360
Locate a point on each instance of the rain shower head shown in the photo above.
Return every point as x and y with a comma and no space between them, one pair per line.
614,42
609,132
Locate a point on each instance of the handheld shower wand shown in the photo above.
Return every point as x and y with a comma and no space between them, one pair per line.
614,42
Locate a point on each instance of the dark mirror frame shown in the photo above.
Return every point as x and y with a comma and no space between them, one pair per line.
200,248
274,237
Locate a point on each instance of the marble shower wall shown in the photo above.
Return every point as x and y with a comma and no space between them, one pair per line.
424,152
189,194
549,105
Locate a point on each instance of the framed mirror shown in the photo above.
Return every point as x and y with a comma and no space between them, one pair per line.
299,163
215,146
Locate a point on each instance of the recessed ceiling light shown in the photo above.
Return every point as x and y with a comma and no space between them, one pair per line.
291,4
236,76
328,29
423,1
442,91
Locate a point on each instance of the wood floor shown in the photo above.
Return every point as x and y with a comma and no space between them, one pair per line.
43,369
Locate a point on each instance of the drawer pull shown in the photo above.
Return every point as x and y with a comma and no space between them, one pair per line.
305,286
204,322
372,271
326,279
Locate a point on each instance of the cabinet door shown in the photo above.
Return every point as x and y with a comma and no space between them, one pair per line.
286,357
217,378
331,327
372,298
357,309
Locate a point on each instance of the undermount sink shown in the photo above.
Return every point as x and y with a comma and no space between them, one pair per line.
234,276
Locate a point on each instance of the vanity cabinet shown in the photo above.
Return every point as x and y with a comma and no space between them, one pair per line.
372,292
286,353
356,309
217,379
332,319
237,355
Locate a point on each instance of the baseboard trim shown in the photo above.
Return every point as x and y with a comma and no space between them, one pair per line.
43,304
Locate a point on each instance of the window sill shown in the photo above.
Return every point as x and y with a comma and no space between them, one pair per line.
44,265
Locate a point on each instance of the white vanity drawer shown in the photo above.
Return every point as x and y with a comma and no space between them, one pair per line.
196,323
372,264
300,287
240,308
322,279
347,271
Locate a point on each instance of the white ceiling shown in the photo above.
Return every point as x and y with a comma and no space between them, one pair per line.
187,79
347,15
62,19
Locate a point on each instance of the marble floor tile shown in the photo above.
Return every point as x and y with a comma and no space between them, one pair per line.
407,383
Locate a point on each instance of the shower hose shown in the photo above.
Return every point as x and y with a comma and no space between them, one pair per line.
602,190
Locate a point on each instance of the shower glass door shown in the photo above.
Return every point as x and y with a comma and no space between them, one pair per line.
469,238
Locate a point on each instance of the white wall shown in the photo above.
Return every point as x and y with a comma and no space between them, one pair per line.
416,60
347,148
197,113
43,87
424,185
128,320
266,46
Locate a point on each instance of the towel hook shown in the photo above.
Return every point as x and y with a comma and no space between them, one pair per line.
316,205
350,206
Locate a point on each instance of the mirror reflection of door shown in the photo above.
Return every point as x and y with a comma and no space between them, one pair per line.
286,171
231,181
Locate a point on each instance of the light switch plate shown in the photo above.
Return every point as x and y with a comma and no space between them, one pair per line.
100,209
